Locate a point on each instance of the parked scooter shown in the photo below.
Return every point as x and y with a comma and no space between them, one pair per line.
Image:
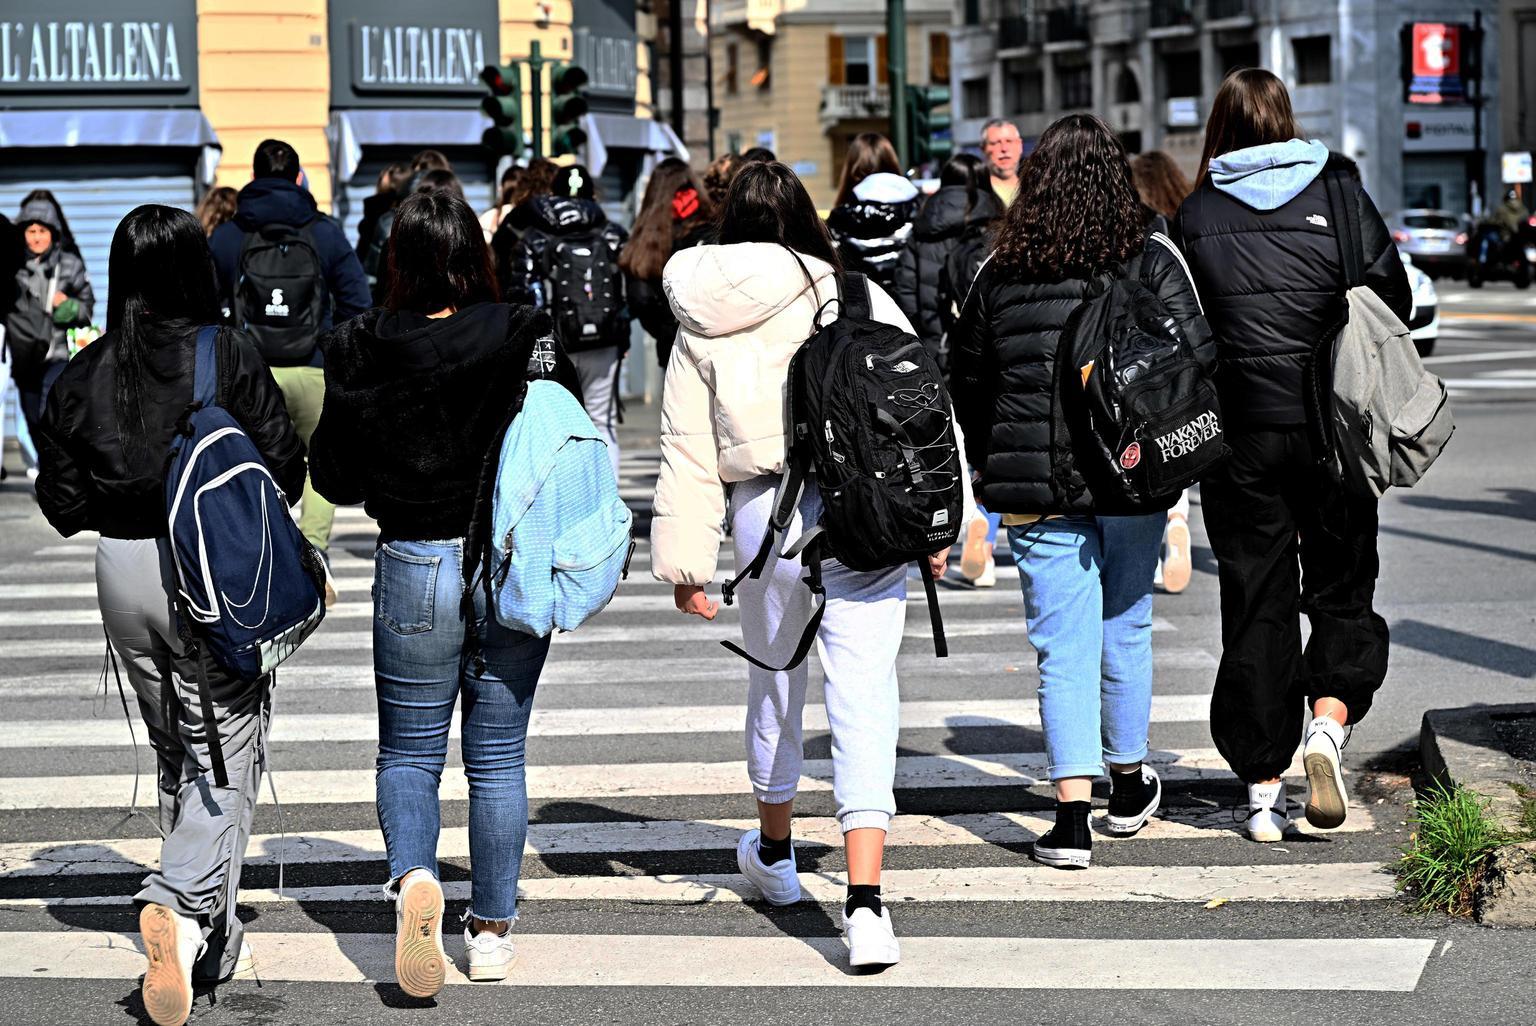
1491,257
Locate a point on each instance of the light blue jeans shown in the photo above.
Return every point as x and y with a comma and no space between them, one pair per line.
1087,585
424,659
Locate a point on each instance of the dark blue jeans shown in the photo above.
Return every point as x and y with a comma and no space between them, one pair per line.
423,662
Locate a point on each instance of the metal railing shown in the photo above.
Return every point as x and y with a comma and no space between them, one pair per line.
1067,23
841,102
1016,30
1222,10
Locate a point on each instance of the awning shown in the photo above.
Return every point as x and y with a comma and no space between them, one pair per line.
351,130
625,132
114,127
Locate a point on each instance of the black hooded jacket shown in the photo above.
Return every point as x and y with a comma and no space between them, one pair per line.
935,268
526,233
88,481
1272,282
413,405
870,235
1004,372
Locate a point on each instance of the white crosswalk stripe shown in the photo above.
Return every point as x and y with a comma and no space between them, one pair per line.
630,817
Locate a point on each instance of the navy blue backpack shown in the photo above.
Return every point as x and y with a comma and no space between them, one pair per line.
250,587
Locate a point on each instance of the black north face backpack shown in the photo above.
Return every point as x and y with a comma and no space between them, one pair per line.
586,290
280,293
868,413
1132,403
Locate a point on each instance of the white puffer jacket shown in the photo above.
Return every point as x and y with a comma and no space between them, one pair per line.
742,310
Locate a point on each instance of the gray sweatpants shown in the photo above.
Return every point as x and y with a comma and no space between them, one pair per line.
206,827
598,370
858,640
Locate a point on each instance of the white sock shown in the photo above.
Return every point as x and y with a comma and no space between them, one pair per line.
1267,796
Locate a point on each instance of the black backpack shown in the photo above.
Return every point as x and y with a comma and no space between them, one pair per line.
374,262
586,290
869,414
280,292
1133,409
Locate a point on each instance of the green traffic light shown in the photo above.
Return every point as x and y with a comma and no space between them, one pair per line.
502,141
568,109
567,78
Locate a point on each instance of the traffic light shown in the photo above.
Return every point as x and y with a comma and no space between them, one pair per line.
567,107
931,136
504,107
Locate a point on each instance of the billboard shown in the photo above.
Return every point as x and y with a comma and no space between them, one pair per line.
1436,63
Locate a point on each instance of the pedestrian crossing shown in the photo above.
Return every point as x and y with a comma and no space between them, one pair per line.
637,796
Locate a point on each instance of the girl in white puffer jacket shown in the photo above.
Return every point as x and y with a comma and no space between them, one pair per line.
743,307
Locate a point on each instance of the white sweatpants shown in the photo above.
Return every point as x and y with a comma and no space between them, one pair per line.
858,640
598,370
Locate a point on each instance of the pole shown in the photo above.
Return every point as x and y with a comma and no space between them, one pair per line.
712,116
675,64
1480,159
896,64
536,64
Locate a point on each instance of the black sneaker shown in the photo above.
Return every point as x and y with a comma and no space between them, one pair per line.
1068,844
1133,798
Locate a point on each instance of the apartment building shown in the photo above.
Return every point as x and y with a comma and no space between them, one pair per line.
804,77
1152,67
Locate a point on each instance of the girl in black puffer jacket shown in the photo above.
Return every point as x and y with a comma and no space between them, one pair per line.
1087,578
872,218
1263,243
949,240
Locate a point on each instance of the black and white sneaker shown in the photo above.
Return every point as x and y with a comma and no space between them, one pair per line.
1068,844
1133,799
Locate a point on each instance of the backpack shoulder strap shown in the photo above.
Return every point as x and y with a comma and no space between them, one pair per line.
1339,186
856,301
205,367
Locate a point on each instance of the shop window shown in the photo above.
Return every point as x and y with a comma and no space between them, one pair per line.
1314,59
1075,86
1023,90
1182,71
976,97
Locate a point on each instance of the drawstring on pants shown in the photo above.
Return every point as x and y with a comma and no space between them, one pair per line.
110,658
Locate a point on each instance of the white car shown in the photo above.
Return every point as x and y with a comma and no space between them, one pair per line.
1424,321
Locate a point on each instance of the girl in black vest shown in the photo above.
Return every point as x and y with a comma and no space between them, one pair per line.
1262,241
1087,578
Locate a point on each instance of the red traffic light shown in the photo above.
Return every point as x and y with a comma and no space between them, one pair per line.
499,80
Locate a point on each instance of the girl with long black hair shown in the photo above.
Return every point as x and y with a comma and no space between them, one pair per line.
1086,577
744,306
102,444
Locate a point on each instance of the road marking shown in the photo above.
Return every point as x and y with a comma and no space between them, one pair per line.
1501,354
1491,318
611,780
1285,882
612,721
134,856
1489,384
608,960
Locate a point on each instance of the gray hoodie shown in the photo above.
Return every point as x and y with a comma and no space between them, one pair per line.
1270,176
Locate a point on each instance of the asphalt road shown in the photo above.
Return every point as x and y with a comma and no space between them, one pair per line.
631,912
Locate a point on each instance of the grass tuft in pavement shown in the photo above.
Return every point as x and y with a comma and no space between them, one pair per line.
1448,851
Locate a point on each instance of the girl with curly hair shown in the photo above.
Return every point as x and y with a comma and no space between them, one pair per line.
1086,576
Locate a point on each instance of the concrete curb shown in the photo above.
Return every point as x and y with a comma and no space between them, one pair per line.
1463,747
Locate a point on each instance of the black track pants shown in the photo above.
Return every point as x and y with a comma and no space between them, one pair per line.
1287,541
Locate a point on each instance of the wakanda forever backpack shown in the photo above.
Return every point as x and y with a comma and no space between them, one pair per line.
250,588
869,415
280,292
1132,403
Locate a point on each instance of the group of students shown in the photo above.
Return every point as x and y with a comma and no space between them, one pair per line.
417,389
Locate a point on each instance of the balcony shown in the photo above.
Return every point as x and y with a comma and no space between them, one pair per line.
1017,31
755,15
1173,14
1067,24
853,102
1229,10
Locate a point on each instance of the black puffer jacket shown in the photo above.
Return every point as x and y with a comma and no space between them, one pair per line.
412,407
523,235
1272,282
87,481
1004,366
930,281
871,229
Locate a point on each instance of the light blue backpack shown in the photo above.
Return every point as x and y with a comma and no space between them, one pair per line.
560,534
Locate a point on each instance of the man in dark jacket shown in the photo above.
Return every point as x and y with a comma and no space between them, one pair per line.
1263,243
274,197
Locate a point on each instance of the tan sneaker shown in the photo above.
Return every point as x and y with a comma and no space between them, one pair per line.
420,962
171,943
1177,564
977,554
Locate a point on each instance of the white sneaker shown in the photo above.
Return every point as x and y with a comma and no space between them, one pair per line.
779,883
976,554
1176,565
489,955
420,962
988,578
1267,818
871,938
1327,803
172,943
246,962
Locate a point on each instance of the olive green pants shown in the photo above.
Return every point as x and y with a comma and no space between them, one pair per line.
303,391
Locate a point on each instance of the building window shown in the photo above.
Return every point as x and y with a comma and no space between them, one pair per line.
732,69
859,60
1076,86
1127,88
1238,57
976,97
1023,90
938,58
733,142
762,78
1182,71
973,12
1314,59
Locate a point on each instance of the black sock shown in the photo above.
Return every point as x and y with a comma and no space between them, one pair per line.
772,852
862,896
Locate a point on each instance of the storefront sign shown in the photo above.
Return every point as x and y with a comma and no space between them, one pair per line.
402,53
1436,56
1517,168
1442,130
51,51
604,43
